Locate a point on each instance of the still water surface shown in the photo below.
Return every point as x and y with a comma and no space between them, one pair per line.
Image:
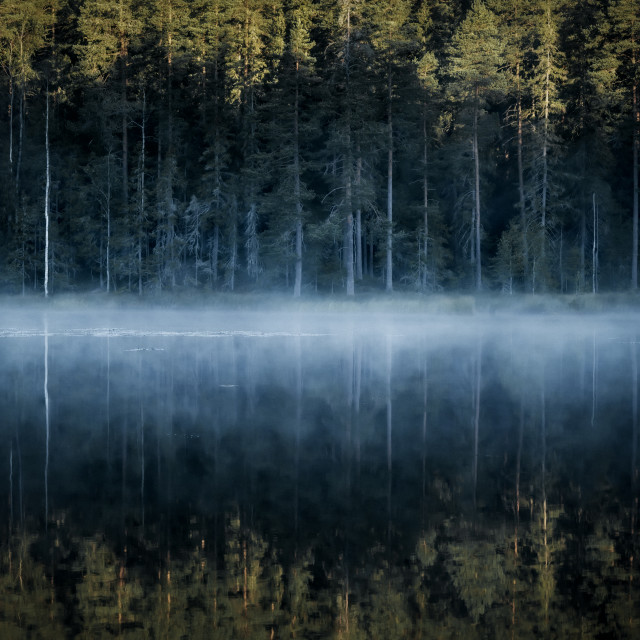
254,475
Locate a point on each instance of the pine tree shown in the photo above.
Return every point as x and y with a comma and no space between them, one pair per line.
625,38
108,29
392,39
288,129
429,98
515,24
475,69
590,74
169,22
24,29
348,80
247,72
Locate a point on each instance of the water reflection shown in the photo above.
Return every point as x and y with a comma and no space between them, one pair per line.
412,481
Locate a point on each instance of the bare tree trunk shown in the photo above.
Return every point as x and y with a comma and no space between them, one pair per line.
46,408
109,223
142,193
594,248
636,145
561,261
545,149
46,200
11,99
389,435
476,161
20,137
233,260
476,417
425,198
297,287
358,229
125,135
521,202
583,245
347,167
348,238
389,269
545,152
214,255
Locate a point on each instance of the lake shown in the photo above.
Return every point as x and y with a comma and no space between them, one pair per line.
187,474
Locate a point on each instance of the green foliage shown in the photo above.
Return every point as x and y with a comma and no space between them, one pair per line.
477,572
272,114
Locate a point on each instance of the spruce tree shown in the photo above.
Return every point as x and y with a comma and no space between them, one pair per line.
625,42
392,39
475,63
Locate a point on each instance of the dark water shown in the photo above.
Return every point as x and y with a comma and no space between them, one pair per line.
210,475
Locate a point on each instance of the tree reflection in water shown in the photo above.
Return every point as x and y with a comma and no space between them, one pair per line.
319,484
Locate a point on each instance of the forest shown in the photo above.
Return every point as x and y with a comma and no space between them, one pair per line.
319,145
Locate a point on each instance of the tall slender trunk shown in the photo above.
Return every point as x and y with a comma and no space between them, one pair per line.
476,417
425,197
594,248
11,100
20,136
214,255
635,471
233,260
348,236
347,168
476,161
358,227
124,126
543,473
47,414
545,150
545,144
297,287
46,199
389,435
636,146
521,201
545,153
108,206
389,269
140,229
583,239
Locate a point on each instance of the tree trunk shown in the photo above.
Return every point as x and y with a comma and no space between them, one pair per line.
425,198
124,125
358,229
348,236
20,137
214,255
476,417
583,245
545,149
46,405
389,269
521,202
108,206
636,145
297,287
142,193
11,99
594,248
476,161
46,199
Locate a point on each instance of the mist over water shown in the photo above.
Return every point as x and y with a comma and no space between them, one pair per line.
474,473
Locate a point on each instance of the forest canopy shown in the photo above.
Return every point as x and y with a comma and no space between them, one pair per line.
319,145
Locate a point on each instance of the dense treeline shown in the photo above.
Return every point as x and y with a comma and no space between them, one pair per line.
319,144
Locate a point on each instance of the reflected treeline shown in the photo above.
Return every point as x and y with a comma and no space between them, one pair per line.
480,482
